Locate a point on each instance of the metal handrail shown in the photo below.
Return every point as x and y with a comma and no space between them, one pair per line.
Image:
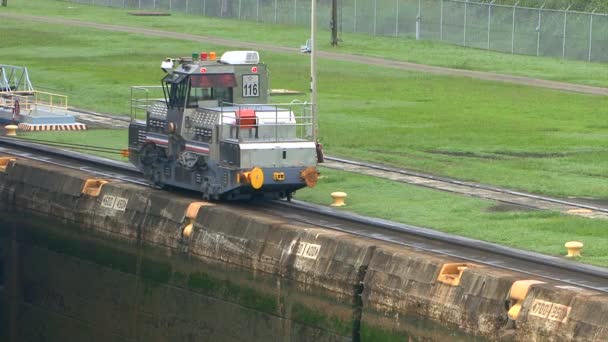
300,113
31,100
141,102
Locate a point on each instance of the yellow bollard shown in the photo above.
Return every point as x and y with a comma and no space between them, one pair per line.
11,130
338,198
187,231
517,295
574,248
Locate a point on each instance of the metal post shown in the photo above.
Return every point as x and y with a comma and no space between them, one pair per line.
464,39
513,30
591,32
313,66
154,4
565,25
205,8
170,5
334,23
418,19
375,15
490,21
239,9
257,11
397,19
187,7
540,13
139,4
295,11
355,18
441,22
275,11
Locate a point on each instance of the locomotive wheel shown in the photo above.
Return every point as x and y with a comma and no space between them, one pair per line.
151,158
149,155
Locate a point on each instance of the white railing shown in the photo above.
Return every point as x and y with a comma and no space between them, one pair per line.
267,122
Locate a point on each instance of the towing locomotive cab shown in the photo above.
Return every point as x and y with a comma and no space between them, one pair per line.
216,133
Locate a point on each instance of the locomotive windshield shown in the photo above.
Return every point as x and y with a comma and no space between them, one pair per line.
181,89
211,87
175,89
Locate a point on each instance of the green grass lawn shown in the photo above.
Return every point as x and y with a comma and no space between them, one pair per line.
526,138
426,52
540,231
522,137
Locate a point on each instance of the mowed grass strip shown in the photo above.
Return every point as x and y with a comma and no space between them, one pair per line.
397,48
540,231
526,138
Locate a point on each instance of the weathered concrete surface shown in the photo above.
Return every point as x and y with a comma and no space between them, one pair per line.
295,282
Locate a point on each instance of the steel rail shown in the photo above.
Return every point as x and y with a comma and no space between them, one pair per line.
467,184
480,252
476,251
128,172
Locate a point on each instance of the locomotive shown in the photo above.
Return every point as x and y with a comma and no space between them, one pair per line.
215,131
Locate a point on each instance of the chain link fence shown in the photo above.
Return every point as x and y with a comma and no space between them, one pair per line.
504,28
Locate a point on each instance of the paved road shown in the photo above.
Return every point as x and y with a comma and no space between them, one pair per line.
488,76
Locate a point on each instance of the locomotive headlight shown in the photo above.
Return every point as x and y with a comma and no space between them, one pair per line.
170,128
278,176
167,65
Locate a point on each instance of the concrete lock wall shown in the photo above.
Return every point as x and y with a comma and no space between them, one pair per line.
138,264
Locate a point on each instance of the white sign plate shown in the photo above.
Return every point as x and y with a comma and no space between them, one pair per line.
251,85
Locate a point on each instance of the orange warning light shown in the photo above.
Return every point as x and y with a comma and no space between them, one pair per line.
125,153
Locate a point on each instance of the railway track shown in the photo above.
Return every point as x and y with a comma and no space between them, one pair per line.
502,195
537,265
522,199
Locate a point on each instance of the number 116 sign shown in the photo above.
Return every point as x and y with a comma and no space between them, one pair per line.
251,85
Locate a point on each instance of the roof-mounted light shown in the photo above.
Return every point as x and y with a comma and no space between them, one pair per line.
240,57
167,65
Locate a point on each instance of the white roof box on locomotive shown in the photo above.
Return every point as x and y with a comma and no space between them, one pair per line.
240,57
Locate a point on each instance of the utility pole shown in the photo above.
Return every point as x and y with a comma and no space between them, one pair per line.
313,78
334,23
313,64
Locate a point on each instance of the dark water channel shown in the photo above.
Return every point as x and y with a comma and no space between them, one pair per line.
59,283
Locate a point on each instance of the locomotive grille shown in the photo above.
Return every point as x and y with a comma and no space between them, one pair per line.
203,134
203,125
204,119
141,136
156,125
158,110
